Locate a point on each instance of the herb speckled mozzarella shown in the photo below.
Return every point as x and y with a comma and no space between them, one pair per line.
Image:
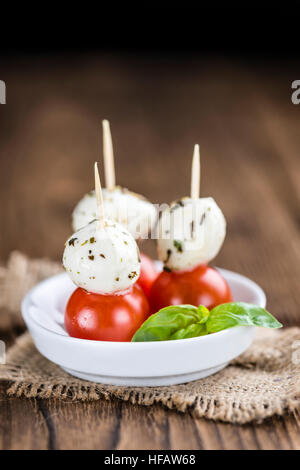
103,261
191,232
129,209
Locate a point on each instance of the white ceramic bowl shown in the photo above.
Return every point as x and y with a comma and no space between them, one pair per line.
133,364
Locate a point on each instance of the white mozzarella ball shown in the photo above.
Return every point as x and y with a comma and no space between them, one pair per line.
190,232
103,261
129,209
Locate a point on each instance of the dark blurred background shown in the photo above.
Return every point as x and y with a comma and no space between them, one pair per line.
166,78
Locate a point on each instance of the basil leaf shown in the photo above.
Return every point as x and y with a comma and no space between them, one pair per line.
239,314
191,331
169,321
203,313
187,321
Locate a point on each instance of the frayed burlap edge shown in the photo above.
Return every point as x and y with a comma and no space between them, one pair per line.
263,382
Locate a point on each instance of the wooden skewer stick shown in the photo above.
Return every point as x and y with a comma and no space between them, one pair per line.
108,152
195,179
99,198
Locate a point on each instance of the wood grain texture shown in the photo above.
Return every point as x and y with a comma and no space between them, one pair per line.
248,129
50,424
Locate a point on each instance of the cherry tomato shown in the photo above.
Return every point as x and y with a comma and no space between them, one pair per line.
202,285
148,273
106,317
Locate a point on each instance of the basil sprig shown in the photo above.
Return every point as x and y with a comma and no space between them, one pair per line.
239,314
188,321
174,322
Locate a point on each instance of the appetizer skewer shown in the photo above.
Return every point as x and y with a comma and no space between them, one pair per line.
103,260
130,209
108,154
102,257
191,230
191,233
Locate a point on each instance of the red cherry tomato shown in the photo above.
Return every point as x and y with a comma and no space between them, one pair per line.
106,317
202,285
148,273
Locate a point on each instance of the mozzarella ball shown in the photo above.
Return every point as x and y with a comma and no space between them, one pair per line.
103,261
129,209
190,232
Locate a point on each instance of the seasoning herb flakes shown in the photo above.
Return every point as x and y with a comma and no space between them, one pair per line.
202,218
169,252
132,275
72,241
178,245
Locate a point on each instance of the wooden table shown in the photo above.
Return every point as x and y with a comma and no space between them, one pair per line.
242,115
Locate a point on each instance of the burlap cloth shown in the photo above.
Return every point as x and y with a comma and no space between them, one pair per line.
263,381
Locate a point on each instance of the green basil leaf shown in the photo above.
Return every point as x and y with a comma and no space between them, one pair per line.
203,313
239,314
169,320
187,321
191,331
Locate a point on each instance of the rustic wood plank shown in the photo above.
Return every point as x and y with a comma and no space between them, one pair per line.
43,424
183,432
209,434
82,426
22,425
143,428
276,433
222,436
292,426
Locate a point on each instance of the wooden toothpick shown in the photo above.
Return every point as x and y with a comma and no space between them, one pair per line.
195,179
99,198
108,152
